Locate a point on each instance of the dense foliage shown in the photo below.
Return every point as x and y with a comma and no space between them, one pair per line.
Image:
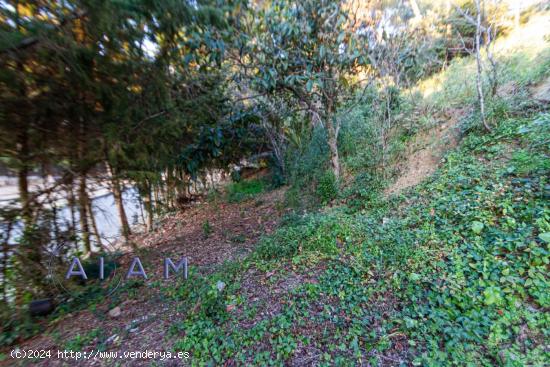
456,276
327,97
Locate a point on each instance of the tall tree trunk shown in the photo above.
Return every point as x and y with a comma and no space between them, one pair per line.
171,188
157,194
332,133
56,230
117,193
31,256
479,76
23,149
276,138
83,212
148,203
22,176
140,200
94,224
212,180
165,189
179,185
490,35
5,251
387,122
72,205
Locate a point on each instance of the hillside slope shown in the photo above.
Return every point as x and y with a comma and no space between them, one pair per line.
450,269
453,272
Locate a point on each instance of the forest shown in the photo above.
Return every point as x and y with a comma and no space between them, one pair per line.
302,183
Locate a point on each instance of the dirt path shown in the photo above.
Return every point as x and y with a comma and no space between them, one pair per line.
541,92
425,153
208,234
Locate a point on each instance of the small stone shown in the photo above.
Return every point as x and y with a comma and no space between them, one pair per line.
113,338
115,312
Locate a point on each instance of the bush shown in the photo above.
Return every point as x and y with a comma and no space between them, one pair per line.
305,163
206,229
14,327
327,187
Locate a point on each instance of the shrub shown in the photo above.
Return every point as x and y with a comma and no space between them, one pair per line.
327,187
206,229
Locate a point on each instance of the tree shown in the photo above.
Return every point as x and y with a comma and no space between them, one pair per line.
85,83
312,51
485,25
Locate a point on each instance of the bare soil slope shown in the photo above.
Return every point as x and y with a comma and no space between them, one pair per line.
425,153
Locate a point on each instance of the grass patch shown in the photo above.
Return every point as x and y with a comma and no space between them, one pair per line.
245,190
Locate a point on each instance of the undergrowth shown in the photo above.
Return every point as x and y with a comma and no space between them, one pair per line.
453,272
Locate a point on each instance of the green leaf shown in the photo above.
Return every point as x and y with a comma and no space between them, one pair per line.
492,295
309,85
545,237
477,227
